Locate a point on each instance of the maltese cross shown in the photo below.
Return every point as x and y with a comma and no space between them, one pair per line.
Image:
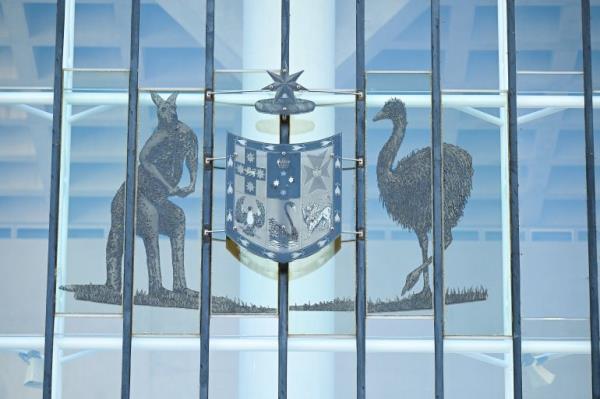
284,85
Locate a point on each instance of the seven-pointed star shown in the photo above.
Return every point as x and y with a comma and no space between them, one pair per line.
284,85
316,171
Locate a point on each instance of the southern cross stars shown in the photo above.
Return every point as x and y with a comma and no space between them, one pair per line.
284,85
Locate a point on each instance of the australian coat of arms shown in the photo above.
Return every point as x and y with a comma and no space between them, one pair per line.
283,201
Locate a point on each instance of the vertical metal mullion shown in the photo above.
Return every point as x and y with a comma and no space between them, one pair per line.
513,181
57,109
437,197
361,302
283,269
207,194
591,196
130,200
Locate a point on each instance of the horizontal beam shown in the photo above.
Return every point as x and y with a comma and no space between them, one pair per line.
300,344
248,99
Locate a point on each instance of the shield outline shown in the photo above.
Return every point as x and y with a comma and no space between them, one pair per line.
290,255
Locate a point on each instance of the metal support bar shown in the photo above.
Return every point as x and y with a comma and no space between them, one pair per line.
209,160
494,361
207,232
78,355
437,201
90,112
591,197
207,195
130,200
358,233
35,111
535,115
484,116
54,199
360,216
513,182
283,275
315,343
360,161
450,100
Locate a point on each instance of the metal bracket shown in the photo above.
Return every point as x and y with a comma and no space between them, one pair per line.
360,233
360,162
206,232
209,160
209,95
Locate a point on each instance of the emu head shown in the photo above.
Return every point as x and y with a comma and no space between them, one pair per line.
166,110
394,110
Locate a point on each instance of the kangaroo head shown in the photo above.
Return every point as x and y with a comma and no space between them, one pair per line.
166,110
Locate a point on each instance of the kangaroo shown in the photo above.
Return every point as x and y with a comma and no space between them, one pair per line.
159,172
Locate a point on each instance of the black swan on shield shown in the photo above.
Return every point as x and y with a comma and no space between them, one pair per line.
279,233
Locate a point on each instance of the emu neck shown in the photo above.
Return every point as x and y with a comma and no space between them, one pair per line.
389,151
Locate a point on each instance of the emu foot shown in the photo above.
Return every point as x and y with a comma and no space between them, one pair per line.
411,280
422,299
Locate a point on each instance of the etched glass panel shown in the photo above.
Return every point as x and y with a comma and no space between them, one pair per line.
321,294
475,170
399,200
476,279
552,194
94,134
168,222
26,73
242,283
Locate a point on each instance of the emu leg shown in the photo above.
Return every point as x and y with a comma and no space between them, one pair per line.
413,277
424,244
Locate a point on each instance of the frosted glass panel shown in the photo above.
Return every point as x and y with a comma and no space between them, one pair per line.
94,135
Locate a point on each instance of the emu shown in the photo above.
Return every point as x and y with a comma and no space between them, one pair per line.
405,190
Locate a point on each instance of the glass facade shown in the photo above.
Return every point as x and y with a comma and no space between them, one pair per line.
371,67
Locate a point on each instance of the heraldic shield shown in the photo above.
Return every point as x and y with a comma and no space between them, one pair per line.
283,201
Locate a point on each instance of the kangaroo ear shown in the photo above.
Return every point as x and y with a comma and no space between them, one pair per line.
156,99
173,97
